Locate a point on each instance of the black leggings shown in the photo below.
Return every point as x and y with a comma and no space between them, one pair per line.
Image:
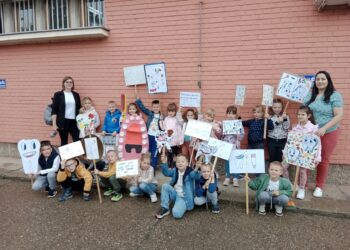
275,148
70,127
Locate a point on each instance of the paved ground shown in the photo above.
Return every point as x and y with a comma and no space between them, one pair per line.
30,220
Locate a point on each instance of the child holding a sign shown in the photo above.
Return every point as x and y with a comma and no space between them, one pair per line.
186,147
145,182
209,116
73,176
89,118
108,178
271,189
111,123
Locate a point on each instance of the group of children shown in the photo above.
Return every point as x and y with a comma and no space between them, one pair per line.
192,183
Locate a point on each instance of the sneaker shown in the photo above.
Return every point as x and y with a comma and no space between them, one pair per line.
108,193
134,194
47,188
116,197
215,209
162,213
279,214
67,194
318,192
301,194
87,197
52,193
279,209
153,198
262,210
226,182
235,182
291,205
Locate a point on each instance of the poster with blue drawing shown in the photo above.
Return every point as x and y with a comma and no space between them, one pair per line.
302,149
156,78
293,87
232,127
251,161
240,95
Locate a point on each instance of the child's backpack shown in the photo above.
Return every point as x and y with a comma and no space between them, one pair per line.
47,114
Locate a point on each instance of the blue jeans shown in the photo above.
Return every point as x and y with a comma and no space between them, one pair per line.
153,151
169,195
43,180
211,197
144,188
227,171
266,198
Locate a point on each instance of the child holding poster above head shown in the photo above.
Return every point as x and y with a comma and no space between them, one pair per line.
271,189
235,139
306,126
209,116
111,124
277,137
145,182
73,176
88,119
108,178
186,147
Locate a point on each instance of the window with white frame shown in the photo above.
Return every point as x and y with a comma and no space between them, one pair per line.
58,16
95,10
24,11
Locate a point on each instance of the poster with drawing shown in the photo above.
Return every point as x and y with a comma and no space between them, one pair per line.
240,95
302,149
206,151
293,87
232,127
190,99
251,161
198,129
91,148
71,150
267,99
221,149
134,75
156,78
127,168
29,150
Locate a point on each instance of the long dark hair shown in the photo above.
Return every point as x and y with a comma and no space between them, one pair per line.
329,89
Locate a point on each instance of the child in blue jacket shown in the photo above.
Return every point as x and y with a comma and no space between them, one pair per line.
111,124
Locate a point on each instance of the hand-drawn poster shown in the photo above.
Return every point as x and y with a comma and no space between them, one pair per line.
198,129
293,87
232,127
134,75
240,95
163,140
29,150
302,149
267,99
206,151
91,148
249,161
156,78
127,168
71,150
190,99
222,149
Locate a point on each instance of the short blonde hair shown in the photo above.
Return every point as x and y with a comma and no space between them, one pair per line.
211,112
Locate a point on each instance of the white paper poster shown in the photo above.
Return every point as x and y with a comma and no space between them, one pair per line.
251,161
29,150
190,99
198,129
240,95
134,75
127,168
232,127
91,148
267,99
156,78
71,150
293,87
223,149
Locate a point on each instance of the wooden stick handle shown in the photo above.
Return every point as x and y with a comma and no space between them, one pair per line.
296,181
285,108
246,196
265,122
192,152
97,183
214,164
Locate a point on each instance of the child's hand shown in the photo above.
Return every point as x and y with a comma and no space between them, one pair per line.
63,164
284,116
275,193
163,158
321,132
267,116
103,133
114,133
246,178
96,171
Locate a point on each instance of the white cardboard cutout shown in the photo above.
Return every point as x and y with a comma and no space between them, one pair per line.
190,99
71,150
29,150
134,75
198,129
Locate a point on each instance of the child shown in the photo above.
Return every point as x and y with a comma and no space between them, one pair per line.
111,124
271,189
49,162
206,187
209,116
256,128
74,176
145,182
89,111
186,147
154,117
108,178
305,125
179,190
231,114
277,137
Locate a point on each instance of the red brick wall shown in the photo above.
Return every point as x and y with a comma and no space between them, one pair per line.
247,42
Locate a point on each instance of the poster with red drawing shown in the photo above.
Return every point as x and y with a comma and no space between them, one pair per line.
156,78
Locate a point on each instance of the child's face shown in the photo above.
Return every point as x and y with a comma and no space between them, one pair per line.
46,151
258,113
303,117
181,163
87,104
111,107
145,164
275,171
171,113
231,116
71,165
205,171
209,117
112,157
190,115
277,108
156,108
132,110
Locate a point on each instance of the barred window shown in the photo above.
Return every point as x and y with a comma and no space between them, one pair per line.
25,15
95,10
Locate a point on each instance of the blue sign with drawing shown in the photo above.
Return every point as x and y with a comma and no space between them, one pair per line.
2,84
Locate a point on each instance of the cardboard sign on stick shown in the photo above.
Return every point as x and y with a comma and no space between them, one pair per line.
156,78
223,149
71,150
134,75
247,161
29,150
91,148
190,99
127,168
267,99
198,129
240,95
232,127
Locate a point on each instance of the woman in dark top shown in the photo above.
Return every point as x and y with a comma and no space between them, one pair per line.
65,108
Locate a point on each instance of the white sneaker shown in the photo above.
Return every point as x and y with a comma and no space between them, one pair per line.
235,182
318,192
301,194
134,194
153,198
262,209
226,182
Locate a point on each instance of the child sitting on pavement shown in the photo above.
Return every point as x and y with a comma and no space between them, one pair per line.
108,178
145,182
74,176
271,189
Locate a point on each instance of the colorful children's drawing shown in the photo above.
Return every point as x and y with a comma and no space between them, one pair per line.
222,149
302,149
232,127
190,99
240,95
133,138
247,161
156,78
86,123
267,99
163,140
134,75
293,87
205,150
198,129
29,150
